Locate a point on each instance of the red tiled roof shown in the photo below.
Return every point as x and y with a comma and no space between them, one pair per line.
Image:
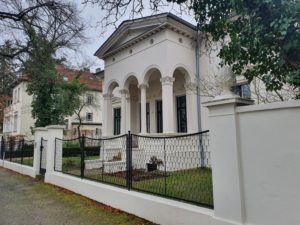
92,82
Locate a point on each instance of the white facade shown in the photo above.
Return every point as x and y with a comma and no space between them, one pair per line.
91,114
18,119
17,116
148,60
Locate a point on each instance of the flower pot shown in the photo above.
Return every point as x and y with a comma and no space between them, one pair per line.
151,167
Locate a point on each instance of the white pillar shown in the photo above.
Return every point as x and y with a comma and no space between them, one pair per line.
107,115
143,88
191,107
123,93
128,113
39,133
168,104
54,148
226,169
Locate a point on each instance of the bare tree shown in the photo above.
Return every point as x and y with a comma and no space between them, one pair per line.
58,21
84,104
114,11
210,86
260,95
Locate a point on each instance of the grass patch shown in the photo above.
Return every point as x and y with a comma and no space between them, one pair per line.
193,185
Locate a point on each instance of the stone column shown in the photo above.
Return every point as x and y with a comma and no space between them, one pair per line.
143,88
168,104
191,107
123,93
128,113
54,149
39,133
107,115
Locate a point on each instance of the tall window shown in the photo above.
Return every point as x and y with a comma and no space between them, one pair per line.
159,117
181,114
147,117
15,96
15,123
89,99
243,90
18,98
89,116
117,121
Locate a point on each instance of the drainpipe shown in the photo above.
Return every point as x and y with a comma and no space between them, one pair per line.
198,78
202,163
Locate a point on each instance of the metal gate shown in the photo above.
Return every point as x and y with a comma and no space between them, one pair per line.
43,156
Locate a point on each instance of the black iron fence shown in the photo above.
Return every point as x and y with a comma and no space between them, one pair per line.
177,167
17,151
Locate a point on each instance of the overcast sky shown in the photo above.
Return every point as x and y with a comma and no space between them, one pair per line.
92,15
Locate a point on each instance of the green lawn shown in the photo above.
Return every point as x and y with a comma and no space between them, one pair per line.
26,161
191,185
194,185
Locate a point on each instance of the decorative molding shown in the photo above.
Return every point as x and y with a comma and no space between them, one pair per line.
143,86
107,96
167,80
191,88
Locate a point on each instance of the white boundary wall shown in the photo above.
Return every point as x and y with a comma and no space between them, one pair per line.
155,209
22,169
256,162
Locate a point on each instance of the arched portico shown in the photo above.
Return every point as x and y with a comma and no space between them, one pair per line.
130,95
185,99
160,104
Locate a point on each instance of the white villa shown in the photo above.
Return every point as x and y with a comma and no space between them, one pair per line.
18,119
152,69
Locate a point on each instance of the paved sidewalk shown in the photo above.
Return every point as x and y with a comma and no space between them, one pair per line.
24,201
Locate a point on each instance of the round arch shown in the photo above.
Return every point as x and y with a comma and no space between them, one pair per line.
148,71
128,80
111,86
183,69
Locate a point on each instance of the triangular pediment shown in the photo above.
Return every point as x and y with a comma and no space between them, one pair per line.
130,34
133,31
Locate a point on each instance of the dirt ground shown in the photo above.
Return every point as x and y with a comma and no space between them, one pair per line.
26,201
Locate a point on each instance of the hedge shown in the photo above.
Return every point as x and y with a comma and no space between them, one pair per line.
19,153
73,151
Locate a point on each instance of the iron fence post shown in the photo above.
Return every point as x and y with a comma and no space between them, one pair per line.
128,161
22,151
41,154
165,167
2,147
82,146
202,164
11,149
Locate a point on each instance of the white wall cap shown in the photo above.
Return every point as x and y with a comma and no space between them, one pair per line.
40,129
225,101
269,106
53,127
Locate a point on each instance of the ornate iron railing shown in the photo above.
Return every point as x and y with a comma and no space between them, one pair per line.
177,167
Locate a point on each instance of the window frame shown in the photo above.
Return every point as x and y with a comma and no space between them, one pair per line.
181,128
87,116
117,120
89,99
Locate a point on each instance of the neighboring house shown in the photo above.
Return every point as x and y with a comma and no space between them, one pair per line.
150,82
18,119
